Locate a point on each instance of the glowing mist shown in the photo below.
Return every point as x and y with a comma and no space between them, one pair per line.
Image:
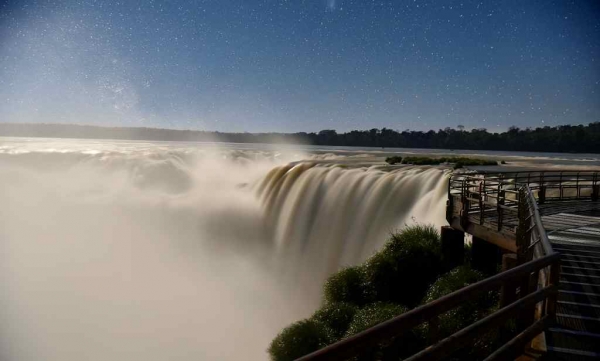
154,251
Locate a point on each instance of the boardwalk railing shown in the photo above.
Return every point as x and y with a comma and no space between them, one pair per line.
402,324
532,298
553,185
494,200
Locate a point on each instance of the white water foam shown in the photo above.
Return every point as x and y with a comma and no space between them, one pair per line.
153,251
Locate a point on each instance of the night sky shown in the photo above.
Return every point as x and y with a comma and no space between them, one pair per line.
287,66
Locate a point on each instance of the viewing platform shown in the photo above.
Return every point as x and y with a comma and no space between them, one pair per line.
544,229
499,208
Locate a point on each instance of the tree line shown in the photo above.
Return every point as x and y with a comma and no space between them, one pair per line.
563,138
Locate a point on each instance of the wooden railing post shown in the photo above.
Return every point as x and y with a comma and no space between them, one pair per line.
464,213
481,204
500,203
508,293
528,285
449,202
542,194
523,232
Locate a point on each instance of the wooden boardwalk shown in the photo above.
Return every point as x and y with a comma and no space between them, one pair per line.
576,334
490,207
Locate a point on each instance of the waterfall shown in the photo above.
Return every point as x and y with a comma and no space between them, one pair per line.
323,217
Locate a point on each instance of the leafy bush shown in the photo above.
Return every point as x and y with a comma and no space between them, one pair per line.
407,265
360,297
468,312
394,349
299,339
336,316
347,286
373,314
393,160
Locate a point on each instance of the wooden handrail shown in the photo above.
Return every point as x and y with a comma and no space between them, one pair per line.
513,348
538,222
469,333
407,321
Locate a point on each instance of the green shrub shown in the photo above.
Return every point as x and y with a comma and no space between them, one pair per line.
407,265
467,313
373,314
347,286
394,349
458,165
336,316
456,279
360,297
393,160
299,339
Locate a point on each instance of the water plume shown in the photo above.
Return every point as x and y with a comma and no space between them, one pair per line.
153,251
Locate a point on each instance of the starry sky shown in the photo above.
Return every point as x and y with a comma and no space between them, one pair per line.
301,65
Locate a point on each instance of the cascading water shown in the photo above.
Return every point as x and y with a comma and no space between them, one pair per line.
326,217
153,251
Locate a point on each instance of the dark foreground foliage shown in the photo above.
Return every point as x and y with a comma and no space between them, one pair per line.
337,317
395,349
299,339
467,313
348,286
404,268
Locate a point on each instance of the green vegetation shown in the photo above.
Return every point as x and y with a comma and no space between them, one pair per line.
458,162
412,259
396,349
337,317
299,339
393,160
348,286
467,313
407,272
562,138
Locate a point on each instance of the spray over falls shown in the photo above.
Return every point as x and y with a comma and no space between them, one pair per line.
170,250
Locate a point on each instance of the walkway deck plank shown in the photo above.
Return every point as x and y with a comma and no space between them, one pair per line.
578,314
